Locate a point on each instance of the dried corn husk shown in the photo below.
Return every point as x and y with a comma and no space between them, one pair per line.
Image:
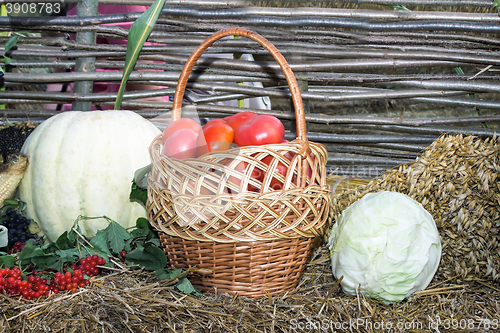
11,174
457,180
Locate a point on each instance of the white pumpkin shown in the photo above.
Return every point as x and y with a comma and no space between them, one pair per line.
82,163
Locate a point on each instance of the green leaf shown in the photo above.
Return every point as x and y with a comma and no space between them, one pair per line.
186,287
32,254
7,261
27,251
164,274
496,4
141,176
100,242
150,257
69,255
73,234
63,242
10,43
51,247
11,202
142,229
117,235
154,241
138,34
55,260
139,194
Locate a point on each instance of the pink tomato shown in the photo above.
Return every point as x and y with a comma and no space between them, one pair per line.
181,144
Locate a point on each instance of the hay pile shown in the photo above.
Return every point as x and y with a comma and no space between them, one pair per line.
135,301
457,179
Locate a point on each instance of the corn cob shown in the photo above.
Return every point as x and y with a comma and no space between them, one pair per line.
11,174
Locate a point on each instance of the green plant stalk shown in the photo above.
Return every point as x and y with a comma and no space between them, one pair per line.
137,36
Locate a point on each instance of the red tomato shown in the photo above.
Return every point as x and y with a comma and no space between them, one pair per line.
178,124
257,174
280,168
226,118
239,118
213,121
216,137
259,130
181,144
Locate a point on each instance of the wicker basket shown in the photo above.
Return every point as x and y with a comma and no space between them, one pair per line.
252,242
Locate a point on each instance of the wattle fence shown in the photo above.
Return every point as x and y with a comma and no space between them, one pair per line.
380,79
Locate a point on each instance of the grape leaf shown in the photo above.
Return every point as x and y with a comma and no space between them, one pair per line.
69,255
117,235
13,203
27,252
150,257
60,259
141,176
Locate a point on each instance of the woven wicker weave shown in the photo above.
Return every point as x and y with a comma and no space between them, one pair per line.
253,242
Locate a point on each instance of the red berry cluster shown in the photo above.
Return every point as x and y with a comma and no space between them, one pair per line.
17,247
12,284
88,265
35,285
68,281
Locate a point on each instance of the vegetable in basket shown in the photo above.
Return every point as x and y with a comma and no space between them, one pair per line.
386,245
243,129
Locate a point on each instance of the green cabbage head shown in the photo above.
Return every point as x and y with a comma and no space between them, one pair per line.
386,245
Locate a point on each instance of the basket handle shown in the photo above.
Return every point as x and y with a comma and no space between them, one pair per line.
301,132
